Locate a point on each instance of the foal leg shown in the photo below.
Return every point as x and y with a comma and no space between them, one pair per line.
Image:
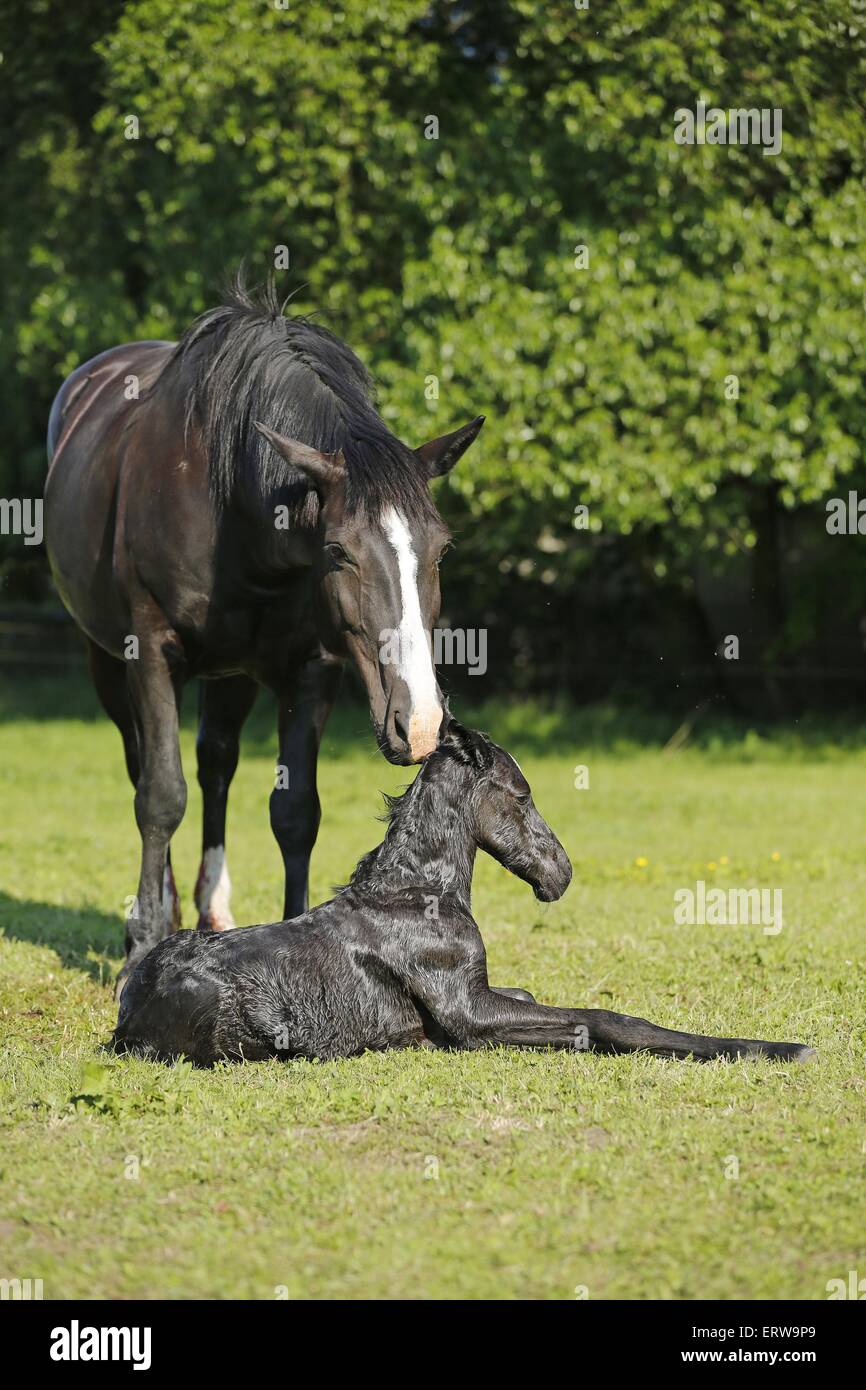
223,706
294,805
109,679
160,794
479,1017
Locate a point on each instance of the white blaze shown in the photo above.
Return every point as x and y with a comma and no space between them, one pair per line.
415,663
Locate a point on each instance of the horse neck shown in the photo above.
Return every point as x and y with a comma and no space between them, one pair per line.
292,509
429,844
273,534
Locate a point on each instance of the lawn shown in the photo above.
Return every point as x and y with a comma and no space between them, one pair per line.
492,1175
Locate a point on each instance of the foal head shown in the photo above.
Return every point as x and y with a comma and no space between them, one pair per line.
377,578
503,817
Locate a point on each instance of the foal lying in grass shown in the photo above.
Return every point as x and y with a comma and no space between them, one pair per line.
396,959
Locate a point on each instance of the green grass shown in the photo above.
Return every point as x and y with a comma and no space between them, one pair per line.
494,1175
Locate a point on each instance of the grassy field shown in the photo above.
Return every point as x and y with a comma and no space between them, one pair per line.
496,1175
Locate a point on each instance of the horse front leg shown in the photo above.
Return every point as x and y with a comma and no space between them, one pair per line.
160,795
224,705
294,804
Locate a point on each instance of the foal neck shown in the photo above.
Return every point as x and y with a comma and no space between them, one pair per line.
430,844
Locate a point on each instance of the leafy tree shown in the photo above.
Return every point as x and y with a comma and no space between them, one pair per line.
606,374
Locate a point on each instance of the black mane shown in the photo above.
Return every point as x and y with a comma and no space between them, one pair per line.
245,361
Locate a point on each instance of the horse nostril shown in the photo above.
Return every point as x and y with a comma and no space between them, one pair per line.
399,730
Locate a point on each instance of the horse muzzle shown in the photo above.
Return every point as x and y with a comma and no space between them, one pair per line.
410,731
551,885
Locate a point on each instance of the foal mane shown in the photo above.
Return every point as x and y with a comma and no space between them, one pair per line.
245,360
426,821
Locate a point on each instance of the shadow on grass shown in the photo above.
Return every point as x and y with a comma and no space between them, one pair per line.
75,934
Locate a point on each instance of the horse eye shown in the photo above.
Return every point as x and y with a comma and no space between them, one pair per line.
335,552
442,553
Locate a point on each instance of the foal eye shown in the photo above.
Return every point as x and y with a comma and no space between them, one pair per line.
335,553
442,553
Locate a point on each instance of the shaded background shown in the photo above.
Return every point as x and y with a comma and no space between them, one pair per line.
454,258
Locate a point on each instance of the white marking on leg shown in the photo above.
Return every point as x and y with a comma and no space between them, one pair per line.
170,900
213,891
415,662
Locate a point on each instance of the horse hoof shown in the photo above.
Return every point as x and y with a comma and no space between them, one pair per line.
125,975
212,923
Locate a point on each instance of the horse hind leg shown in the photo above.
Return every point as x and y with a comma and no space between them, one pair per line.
155,681
170,898
109,679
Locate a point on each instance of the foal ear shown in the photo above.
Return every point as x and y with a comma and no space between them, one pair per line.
323,470
440,455
470,746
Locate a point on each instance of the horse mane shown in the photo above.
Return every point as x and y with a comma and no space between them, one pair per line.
245,361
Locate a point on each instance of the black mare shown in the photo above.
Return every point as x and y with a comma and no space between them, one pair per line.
233,507
396,959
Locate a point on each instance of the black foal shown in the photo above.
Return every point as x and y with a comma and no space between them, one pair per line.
396,959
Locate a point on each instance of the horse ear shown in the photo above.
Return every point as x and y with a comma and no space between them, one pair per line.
471,746
323,470
440,455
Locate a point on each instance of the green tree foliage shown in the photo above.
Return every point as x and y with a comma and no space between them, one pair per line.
602,373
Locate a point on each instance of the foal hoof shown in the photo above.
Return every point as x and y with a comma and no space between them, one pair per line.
791,1052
